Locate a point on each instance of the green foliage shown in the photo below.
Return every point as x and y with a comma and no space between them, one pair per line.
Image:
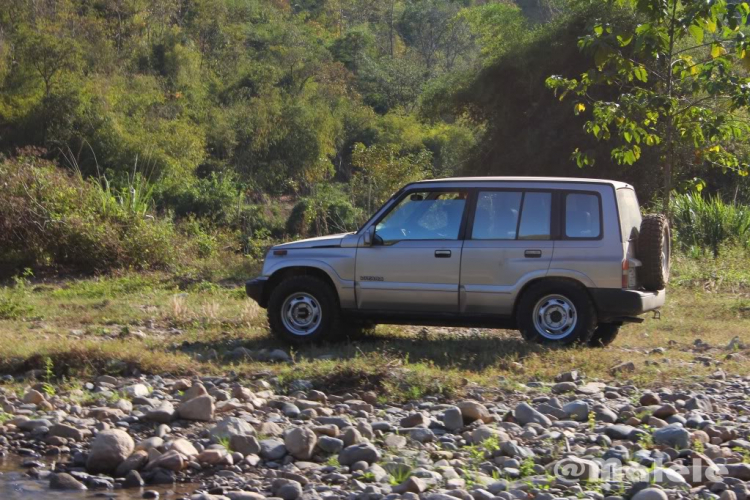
399,473
707,223
14,300
382,171
527,467
48,216
678,79
327,211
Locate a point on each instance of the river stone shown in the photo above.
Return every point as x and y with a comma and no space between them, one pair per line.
63,481
68,432
287,489
738,471
247,445
453,419
364,452
272,449
33,397
673,435
200,409
182,445
619,431
525,414
577,410
231,426
194,391
300,442
133,480
699,402
577,468
665,411
330,444
163,414
136,391
666,477
473,410
651,494
170,460
109,449
136,461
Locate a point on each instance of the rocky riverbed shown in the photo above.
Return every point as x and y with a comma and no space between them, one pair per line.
241,438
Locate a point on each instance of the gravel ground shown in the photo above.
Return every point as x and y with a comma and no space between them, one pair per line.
240,439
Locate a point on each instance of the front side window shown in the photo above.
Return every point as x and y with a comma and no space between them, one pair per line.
428,215
582,215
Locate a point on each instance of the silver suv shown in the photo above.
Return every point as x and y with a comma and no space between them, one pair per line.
562,260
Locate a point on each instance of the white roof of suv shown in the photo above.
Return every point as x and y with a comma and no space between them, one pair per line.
615,184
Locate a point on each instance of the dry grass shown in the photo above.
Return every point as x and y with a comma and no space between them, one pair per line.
159,323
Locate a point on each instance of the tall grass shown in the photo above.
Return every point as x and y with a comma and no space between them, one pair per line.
707,223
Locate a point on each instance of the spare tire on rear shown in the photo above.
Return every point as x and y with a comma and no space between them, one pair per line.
654,247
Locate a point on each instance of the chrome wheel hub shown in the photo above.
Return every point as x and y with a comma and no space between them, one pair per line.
555,317
301,313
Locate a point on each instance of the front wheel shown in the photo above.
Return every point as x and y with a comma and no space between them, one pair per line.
556,312
302,309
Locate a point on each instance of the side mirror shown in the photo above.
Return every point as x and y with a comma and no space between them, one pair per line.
369,236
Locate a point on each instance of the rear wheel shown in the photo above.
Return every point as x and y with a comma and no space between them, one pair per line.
303,309
605,334
556,312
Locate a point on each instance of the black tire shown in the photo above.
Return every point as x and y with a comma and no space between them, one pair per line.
654,246
575,294
315,288
605,334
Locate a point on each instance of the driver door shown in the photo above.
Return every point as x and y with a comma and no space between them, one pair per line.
414,262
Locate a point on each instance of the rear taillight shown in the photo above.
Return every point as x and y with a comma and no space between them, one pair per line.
625,273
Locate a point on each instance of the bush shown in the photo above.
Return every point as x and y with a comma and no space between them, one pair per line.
707,223
327,211
214,197
49,217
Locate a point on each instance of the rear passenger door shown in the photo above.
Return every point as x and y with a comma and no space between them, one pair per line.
509,242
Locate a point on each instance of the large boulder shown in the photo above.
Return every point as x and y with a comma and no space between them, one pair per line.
109,449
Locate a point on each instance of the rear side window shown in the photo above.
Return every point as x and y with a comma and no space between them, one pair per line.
582,216
535,216
511,215
630,213
496,217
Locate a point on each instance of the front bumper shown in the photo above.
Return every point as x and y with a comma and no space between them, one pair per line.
613,303
254,289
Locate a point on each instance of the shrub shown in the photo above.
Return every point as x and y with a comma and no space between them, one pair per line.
707,223
49,217
214,197
327,211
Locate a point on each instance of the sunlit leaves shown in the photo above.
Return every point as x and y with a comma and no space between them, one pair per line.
675,79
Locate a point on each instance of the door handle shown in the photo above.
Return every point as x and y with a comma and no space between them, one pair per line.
532,254
442,254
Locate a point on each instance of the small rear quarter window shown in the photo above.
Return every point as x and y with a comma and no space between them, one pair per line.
630,212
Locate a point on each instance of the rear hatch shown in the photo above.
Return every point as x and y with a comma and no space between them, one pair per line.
630,223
